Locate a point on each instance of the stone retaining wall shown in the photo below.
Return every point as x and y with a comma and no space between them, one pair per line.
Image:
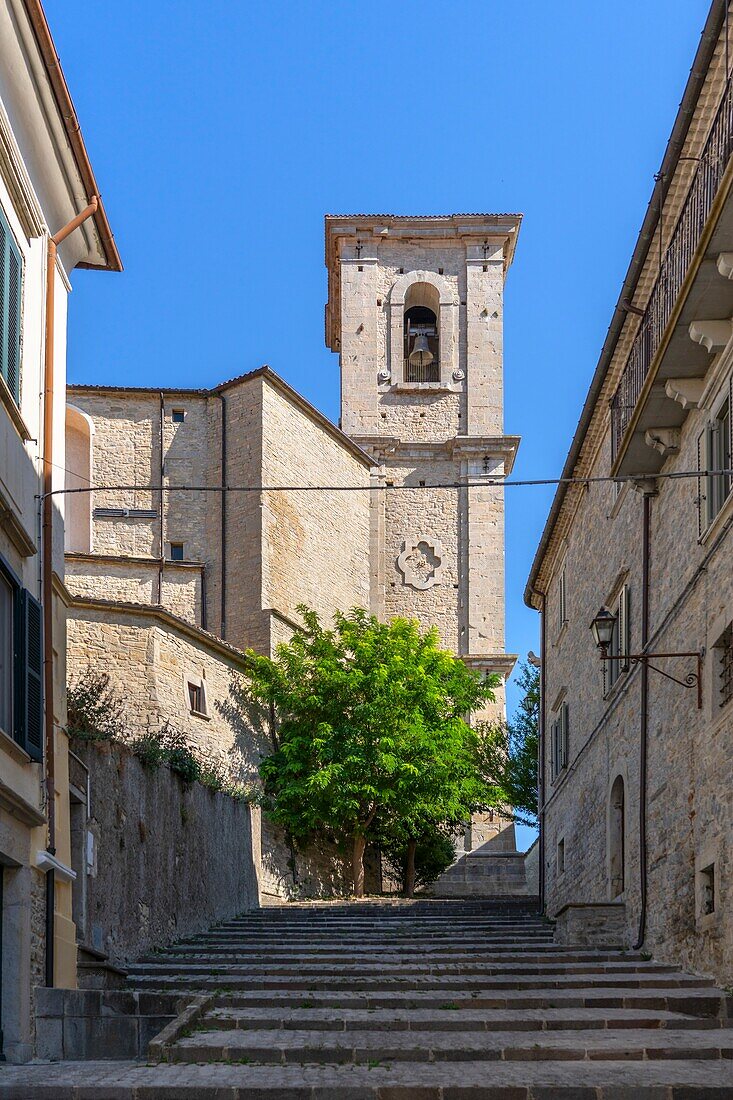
167,859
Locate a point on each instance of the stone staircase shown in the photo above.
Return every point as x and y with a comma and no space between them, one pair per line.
424,1000
483,874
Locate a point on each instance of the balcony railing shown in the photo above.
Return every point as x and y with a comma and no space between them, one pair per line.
674,267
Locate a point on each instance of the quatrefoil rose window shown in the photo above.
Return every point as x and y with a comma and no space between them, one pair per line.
421,562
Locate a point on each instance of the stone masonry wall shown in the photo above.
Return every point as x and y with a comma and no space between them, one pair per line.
187,850
149,666
315,544
689,786
410,515
137,582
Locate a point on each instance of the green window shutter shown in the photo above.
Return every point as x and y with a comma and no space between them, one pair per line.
31,708
11,272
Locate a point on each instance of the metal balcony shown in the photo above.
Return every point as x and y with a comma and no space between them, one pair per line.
674,268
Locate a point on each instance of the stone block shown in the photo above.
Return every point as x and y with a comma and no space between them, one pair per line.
119,1003
49,1001
50,1038
589,924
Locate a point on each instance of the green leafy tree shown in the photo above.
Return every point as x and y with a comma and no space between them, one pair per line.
418,860
369,720
507,753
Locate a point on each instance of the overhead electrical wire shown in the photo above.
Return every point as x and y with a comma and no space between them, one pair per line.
487,482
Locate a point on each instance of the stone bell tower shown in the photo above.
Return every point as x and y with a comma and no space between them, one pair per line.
415,312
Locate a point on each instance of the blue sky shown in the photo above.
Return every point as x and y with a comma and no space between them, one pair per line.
222,132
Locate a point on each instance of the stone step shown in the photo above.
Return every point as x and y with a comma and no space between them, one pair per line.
464,920
664,1079
703,1002
539,939
303,921
354,1019
537,955
419,977
358,964
362,1047
449,982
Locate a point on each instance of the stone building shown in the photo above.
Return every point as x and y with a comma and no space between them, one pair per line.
637,772
415,312
46,179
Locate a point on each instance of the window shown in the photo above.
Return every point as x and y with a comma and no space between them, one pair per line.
196,698
7,656
11,269
177,551
196,692
561,856
562,610
178,415
707,892
714,457
619,648
724,652
559,738
21,664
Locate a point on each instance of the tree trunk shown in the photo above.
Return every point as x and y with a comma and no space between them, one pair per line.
410,869
357,864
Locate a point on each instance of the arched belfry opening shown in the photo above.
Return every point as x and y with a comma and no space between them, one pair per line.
421,334
616,837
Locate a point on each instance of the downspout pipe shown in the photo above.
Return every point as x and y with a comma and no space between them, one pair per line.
541,751
47,564
644,708
161,441
223,521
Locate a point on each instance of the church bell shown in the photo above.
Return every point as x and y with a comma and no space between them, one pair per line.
421,355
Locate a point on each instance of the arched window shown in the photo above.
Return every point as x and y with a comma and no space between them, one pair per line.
78,506
616,837
421,334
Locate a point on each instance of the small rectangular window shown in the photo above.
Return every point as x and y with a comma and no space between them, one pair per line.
177,551
620,646
707,892
562,610
21,664
714,450
561,856
560,740
196,698
178,416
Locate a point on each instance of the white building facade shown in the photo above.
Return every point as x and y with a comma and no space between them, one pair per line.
45,181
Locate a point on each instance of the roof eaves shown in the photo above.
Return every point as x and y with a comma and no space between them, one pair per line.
67,113
698,73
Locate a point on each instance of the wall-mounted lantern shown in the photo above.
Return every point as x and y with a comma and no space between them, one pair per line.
603,627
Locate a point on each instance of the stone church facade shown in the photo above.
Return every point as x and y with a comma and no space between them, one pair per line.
162,579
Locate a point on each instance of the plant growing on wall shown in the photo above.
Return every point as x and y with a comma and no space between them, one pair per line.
94,711
371,725
508,753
